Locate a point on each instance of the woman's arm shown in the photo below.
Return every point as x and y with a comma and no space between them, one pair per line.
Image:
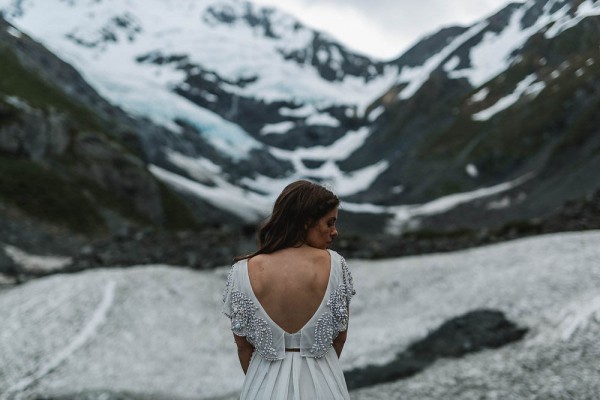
245,350
338,342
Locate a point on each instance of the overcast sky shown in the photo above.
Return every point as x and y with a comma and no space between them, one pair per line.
385,28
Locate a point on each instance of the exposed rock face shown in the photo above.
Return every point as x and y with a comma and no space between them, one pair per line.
472,332
33,133
120,172
57,122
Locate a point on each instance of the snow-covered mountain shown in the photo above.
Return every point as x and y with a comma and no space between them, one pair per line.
156,332
238,75
510,100
256,99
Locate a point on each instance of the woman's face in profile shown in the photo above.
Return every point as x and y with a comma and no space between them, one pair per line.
322,234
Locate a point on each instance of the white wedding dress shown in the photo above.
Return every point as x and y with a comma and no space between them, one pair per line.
314,372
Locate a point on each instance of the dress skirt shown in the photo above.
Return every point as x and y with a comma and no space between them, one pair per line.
295,378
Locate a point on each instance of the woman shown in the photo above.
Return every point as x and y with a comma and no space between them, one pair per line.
289,301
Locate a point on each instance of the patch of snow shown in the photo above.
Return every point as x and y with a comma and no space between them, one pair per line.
323,120
119,329
480,95
350,112
578,316
493,55
322,56
7,280
336,58
278,128
406,215
472,171
199,168
397,189
304,111
451,64
89,331
499,204
18,103
36,263
376,113
249,206
209,96
526,87
588,8
14,32
341,182
415,77
534,280
339,150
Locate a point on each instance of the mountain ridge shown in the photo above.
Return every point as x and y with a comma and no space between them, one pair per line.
411,130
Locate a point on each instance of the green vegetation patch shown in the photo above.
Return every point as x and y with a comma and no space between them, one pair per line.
177,214
15,80
43,194
107,199
8,113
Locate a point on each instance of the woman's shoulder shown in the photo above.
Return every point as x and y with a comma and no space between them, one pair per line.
336,258
238,264
235,270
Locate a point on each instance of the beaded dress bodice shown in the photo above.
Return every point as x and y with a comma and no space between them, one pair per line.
249,319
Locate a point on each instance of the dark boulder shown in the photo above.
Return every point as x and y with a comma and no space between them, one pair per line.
475,331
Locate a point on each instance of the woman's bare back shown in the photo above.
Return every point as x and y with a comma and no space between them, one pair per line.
290,284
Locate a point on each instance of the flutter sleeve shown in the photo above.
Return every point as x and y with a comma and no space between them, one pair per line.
241,310
227,307
348,282
341,297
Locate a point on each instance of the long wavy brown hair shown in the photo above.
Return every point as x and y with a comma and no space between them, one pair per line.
299,206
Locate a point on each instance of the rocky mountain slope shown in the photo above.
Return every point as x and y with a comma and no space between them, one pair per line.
512,98
474,129
57,135
506,101
72,166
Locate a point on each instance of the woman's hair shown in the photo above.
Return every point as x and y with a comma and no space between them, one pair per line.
299,206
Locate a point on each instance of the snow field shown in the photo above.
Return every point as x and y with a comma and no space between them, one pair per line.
158,329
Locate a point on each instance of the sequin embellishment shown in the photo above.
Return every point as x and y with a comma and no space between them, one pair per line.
332,322
244,321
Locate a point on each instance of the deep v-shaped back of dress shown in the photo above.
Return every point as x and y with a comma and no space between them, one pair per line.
290,285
